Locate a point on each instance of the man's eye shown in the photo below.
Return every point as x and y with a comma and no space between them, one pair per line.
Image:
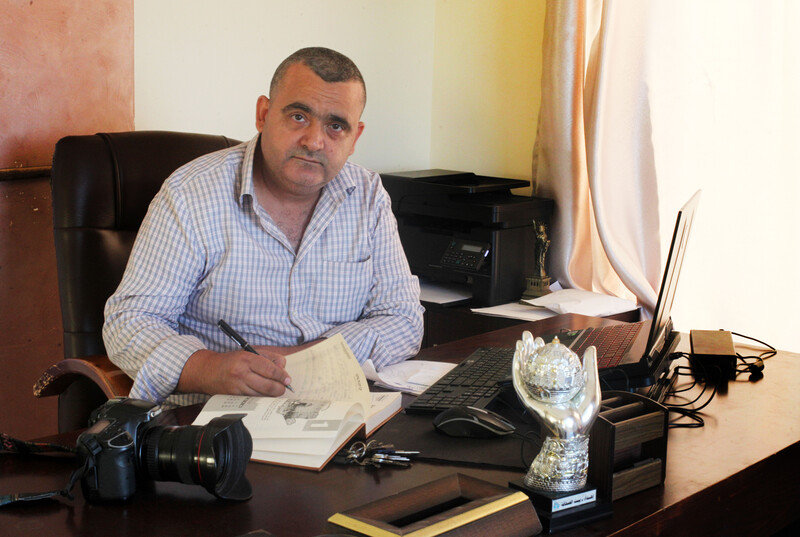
337,127
298,117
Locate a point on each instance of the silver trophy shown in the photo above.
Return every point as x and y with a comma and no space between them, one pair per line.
565,396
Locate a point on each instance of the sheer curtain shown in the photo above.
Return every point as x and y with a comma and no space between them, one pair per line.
643,103
594,154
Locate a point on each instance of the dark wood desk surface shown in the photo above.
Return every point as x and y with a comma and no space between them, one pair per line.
444,323
739,475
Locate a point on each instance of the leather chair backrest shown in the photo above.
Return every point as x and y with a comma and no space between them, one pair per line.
102,185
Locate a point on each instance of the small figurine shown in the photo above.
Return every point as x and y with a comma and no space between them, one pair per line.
541,245
539,284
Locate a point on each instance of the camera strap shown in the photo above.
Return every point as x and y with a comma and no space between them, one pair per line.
9,444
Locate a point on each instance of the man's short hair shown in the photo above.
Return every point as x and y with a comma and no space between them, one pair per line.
329,65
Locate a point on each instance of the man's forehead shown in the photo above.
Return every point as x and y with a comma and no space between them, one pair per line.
300,80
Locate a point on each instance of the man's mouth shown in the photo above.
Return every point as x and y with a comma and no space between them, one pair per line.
307,159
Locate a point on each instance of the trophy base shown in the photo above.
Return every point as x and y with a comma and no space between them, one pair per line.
563,510
536,287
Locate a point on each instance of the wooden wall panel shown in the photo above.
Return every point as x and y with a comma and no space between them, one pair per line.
30,315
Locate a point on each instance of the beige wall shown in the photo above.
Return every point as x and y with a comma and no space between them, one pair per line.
451,83
486,86
205,74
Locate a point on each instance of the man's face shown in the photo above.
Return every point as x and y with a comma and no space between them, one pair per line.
308,128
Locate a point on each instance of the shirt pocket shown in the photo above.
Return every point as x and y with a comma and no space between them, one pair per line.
340,290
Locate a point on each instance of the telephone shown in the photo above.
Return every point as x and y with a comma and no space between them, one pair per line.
466,255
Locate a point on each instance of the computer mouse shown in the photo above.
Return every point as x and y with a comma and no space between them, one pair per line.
471,422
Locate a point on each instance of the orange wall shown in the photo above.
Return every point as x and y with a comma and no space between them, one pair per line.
66,67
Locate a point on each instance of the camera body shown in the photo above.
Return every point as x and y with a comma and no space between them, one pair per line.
125,444
110,445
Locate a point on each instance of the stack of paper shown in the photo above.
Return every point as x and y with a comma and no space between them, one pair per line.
583,302
561,301
411,376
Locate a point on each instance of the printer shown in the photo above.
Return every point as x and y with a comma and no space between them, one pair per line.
463,228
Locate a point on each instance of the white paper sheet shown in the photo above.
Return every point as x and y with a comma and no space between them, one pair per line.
515,310
443,293
583,302
411,376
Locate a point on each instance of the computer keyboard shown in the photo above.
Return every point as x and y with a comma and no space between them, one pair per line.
611,343
474,382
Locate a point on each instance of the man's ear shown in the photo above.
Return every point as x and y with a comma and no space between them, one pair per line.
359,130
262,107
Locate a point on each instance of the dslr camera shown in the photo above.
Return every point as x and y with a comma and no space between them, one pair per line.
125,445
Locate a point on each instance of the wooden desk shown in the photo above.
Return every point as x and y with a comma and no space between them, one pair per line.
739,475
444,324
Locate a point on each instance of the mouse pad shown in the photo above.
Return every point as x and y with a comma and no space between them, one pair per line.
416,432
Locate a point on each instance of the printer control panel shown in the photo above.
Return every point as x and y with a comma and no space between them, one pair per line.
466,255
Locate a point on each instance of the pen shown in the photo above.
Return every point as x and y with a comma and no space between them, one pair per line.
235,336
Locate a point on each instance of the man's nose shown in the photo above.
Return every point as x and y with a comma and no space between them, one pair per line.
314,137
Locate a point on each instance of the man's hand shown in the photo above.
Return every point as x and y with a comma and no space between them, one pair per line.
235,373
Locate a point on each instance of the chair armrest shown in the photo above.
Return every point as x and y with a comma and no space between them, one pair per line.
99,369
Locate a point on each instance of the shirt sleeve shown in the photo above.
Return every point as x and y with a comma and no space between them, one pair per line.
140,330
390,327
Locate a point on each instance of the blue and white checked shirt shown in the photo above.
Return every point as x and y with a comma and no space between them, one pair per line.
207,251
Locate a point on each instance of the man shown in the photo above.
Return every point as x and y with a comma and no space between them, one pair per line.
281,237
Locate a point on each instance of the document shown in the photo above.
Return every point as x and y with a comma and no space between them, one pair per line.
560,301
410,376
515,310
330,405
443,293
583,302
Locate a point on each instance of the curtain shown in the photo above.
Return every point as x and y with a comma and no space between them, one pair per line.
643,103
724,80
594,154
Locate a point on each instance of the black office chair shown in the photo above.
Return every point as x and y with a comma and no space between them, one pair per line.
102,185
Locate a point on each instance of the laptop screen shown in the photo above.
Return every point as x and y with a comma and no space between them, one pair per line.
662,321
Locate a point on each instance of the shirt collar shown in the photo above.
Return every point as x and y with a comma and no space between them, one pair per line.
246,174
342,185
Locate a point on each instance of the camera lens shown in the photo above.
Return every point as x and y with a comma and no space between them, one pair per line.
213,455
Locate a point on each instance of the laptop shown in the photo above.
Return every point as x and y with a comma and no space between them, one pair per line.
635,355
630,356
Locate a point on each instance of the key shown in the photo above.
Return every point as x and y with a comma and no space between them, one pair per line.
377,460
374,445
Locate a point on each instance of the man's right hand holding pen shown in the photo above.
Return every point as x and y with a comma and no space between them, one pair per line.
236,373
252,371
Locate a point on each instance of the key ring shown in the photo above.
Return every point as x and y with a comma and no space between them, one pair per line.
357,452
374,453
